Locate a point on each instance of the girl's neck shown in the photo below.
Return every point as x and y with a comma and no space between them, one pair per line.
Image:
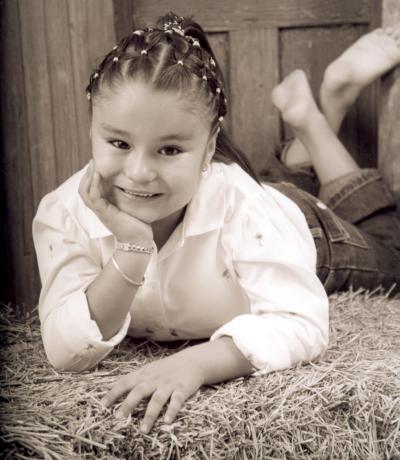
164,228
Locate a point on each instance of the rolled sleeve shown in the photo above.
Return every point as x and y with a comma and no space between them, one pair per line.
68,262
72,340
274,258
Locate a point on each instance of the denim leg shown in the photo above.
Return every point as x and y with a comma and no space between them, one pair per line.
356,231
363,199
347,257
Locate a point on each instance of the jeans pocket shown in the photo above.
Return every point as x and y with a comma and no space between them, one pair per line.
341,231
336,229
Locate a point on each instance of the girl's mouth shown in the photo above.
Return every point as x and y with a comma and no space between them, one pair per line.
138,194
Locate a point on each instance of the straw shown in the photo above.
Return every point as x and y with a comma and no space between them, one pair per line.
346,405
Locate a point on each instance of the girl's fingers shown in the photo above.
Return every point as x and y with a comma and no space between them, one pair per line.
96,188
122,387
96,195
178,398
139,392
84,190
156,403
85,184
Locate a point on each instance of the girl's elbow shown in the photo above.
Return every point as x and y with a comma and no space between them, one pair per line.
63,364
65,361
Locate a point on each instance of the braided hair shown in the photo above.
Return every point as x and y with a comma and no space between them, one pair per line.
174,55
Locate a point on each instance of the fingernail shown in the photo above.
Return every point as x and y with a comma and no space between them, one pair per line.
119,415
104,402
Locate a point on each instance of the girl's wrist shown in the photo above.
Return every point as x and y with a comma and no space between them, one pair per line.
133,264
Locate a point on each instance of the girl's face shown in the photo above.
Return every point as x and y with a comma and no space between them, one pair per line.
149,149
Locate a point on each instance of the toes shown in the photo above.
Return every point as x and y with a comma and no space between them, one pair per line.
279,97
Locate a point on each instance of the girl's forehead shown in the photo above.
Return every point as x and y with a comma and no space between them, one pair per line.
138,102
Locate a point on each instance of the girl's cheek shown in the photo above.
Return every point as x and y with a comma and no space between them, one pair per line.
106,166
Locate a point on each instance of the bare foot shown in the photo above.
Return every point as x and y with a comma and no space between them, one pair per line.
294,99
368,58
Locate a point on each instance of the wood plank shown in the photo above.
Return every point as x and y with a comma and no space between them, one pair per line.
63,109
39,166
92,35
298,50
254,72
226,15
15,149
123,17
38,96
389,112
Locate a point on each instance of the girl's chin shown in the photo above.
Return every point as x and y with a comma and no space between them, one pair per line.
146,217
149,214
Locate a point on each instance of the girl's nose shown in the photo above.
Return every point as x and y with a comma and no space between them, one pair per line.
139,167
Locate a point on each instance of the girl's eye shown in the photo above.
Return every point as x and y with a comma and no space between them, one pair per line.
119,144
170,150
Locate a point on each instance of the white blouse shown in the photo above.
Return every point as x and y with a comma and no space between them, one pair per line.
242,263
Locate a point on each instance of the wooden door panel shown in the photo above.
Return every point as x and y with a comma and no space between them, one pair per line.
248,14
50,47
253,74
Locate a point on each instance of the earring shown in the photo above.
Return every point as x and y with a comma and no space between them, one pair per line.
204,168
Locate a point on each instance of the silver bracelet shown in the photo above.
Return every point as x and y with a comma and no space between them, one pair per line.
130,247
126,278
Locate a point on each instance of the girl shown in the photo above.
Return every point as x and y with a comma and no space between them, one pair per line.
168,234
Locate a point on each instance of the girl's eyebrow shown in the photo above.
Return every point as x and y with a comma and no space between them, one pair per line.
114,130
177,136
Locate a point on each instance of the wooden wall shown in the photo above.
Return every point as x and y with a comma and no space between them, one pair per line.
48,48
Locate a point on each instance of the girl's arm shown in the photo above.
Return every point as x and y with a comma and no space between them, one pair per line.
83,306
111,294
219,360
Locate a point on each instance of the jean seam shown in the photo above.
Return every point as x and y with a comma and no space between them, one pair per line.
356,268
363,180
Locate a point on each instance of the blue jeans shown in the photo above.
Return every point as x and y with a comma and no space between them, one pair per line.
355,228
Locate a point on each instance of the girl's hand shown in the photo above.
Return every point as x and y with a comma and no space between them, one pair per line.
125,228
170,380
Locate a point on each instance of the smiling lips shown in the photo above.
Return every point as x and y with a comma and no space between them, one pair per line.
138,194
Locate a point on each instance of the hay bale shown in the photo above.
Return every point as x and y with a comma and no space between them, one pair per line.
346,405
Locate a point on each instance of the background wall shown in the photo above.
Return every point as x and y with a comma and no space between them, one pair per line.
48,48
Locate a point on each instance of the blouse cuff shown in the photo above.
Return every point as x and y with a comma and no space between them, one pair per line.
73,340
263,341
